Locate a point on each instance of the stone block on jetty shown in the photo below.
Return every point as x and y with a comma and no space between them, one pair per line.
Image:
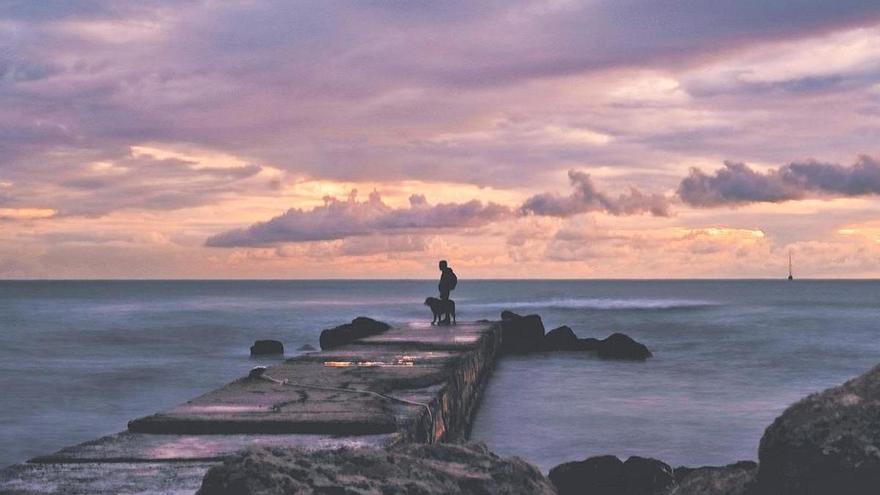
608,475
827,443
407,468
620,346
359,328
267,347
521,334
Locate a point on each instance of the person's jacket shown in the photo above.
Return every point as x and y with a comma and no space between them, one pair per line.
446,280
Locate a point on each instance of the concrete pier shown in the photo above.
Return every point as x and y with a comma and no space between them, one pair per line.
415,383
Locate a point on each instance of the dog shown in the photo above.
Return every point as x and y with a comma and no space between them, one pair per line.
441,308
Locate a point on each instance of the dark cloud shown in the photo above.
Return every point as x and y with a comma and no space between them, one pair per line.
213,76
340,219
586,198
737,183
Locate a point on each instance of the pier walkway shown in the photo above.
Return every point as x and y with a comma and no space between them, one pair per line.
414,382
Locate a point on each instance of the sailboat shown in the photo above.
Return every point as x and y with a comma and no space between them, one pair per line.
790,276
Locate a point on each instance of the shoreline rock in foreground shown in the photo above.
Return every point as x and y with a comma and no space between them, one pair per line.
734,479
826,443
608,475
407,468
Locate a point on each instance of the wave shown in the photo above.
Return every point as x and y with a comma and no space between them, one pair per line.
602,304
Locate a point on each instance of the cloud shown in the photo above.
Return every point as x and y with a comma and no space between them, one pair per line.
342,219
92,185
339,219
586,198
737,184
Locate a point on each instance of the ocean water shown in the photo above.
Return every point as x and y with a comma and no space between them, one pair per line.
79,359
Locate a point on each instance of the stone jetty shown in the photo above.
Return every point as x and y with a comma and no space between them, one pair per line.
412,383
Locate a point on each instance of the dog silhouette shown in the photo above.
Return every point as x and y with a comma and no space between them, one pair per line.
441,308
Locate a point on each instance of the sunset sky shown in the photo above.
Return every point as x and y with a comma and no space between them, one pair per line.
549,139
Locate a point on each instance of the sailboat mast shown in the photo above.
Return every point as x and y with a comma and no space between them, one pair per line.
790,276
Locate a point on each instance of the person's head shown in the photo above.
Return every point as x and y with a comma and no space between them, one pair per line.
443,264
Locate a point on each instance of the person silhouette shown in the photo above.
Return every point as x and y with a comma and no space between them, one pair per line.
448,281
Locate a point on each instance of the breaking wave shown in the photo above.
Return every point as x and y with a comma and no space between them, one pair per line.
603,304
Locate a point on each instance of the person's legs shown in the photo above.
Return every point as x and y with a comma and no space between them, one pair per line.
444,296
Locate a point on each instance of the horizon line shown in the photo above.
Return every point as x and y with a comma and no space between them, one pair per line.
414,279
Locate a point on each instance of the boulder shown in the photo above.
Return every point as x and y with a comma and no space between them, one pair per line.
828,442
404,468
267,347
520,334
588,344
733,479
607,475
306,348
509,315
646,476
359,328
602,475
561,339
620,346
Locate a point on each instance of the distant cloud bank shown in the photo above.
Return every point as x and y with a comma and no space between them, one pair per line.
734,184
344,218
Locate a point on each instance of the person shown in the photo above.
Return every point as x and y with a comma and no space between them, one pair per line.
448,281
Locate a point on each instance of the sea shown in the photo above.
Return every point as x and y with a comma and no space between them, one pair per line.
78,359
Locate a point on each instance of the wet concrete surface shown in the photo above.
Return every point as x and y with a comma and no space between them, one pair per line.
411,383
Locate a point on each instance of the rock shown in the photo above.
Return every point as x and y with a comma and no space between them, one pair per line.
561,339
521,334
607,475
359,328
406,468
564,339
509,315
306,348
828,442
620,346
588,344
267,347
734,479
602,475
646,476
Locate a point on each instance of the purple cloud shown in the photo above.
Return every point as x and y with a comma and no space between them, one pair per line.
586,198
736,183
339,219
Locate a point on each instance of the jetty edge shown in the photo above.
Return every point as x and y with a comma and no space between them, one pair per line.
411,383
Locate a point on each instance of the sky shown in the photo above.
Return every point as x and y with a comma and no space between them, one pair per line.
369,139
